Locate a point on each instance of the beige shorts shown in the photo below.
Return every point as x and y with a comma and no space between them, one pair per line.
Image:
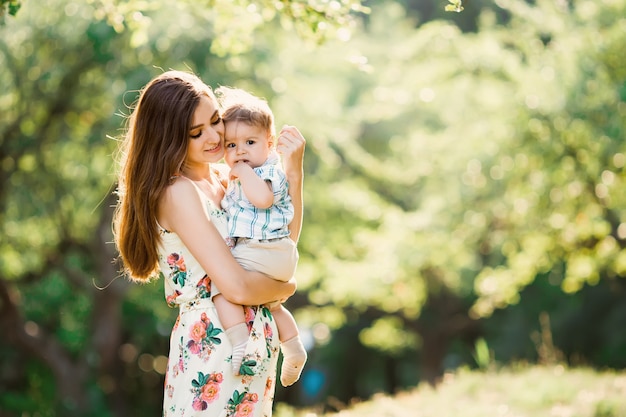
276,258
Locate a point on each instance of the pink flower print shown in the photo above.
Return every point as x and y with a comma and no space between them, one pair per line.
174,260
171,299
210,391
169,390
199,405
268,331
179,367
241,404
203,337
269,386
178,269
198,331
249,316
194,347
204,287
246,407
206,389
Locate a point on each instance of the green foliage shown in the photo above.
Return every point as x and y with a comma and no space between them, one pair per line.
447,174
475,164
229,26
387,335
9,7
76,334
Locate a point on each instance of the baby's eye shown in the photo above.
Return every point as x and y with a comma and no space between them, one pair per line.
249,142
197,135
230,145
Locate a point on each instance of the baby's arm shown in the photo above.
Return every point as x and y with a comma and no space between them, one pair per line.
258,191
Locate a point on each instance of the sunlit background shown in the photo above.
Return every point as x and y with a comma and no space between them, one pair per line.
464,188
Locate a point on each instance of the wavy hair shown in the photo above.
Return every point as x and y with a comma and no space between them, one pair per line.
151,154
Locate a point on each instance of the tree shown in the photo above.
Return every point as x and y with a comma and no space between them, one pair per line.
437,164
66,68
446,172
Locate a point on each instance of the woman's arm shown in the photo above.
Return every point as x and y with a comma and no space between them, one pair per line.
291,145
181,211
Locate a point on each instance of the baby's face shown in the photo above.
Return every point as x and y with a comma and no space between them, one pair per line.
246,143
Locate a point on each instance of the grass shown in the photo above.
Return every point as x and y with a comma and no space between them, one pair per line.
529,391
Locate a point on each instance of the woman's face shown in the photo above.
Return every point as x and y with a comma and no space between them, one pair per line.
206,136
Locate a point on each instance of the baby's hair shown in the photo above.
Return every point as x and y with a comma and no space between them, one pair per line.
239,105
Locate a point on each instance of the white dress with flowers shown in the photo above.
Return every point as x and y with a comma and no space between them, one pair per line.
199,380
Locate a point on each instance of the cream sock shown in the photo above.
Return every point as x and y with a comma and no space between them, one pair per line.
294,358
238,336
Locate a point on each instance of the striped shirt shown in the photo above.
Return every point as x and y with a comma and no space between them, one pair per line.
246,220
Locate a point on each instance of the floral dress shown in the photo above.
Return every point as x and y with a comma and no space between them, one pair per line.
199,380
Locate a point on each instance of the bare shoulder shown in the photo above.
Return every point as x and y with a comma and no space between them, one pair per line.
177,196
181,189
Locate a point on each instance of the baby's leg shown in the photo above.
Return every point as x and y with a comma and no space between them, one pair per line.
294,353
232,318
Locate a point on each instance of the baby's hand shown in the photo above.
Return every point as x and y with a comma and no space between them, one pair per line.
240,169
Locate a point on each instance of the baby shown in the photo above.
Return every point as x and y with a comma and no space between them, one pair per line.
259,211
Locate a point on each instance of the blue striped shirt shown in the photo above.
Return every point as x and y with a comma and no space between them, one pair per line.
246,220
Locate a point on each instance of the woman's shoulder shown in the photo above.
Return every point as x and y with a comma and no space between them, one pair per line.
180,191
177,194
180,185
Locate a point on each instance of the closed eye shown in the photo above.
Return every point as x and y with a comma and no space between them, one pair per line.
196,136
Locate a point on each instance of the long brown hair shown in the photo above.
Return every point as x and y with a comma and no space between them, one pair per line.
152,153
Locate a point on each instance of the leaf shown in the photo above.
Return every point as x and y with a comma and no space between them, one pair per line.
180,277
213,331
201,381
267,313
246,368
237,397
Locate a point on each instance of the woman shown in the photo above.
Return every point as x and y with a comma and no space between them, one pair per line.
169,222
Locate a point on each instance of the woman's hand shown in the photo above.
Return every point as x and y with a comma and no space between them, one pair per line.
290,145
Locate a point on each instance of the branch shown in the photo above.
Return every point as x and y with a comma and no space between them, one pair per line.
36,340
394,193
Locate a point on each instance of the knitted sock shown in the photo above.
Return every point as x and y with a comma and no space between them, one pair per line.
238,336
294,358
